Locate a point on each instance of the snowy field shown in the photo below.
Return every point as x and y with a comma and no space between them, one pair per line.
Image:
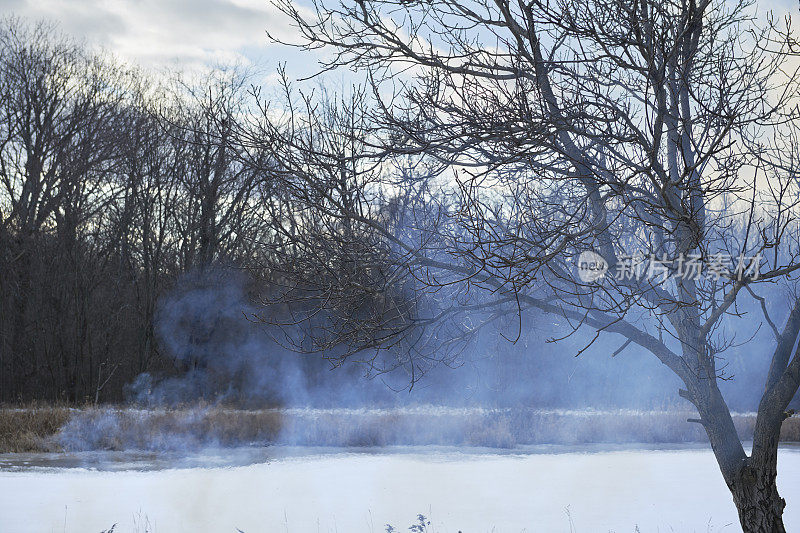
315,490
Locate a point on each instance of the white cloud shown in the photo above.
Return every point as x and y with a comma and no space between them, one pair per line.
157,33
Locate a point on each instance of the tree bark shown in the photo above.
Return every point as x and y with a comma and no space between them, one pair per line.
754,488
755,494
751,480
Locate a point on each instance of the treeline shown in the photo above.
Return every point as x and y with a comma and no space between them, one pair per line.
158,235
112,185
147,232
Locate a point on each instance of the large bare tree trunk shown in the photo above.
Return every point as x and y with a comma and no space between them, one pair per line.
751,479
753,486
755,494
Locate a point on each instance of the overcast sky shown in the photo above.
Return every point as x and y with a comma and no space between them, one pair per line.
158,33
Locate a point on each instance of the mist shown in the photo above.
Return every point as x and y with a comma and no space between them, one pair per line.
223,355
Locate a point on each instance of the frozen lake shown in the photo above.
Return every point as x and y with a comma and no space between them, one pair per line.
588,489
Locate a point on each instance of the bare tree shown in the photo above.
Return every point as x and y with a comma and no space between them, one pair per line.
59,140
336,215
111,186
217,187
661,128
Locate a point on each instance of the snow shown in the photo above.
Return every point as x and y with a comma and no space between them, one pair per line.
343,491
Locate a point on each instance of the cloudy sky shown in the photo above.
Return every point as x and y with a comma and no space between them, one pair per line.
158,33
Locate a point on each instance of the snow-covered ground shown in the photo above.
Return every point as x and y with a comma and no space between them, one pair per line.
344,491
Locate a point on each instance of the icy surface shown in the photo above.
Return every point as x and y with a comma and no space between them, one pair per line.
345,491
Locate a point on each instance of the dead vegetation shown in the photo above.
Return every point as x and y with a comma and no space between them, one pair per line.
52,428
26,429
504,428
184,428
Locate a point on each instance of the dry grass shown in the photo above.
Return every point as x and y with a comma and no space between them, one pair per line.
166,429
504,428
28,429
48,428
790,432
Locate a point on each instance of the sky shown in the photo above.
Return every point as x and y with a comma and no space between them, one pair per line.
195,33
186,34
